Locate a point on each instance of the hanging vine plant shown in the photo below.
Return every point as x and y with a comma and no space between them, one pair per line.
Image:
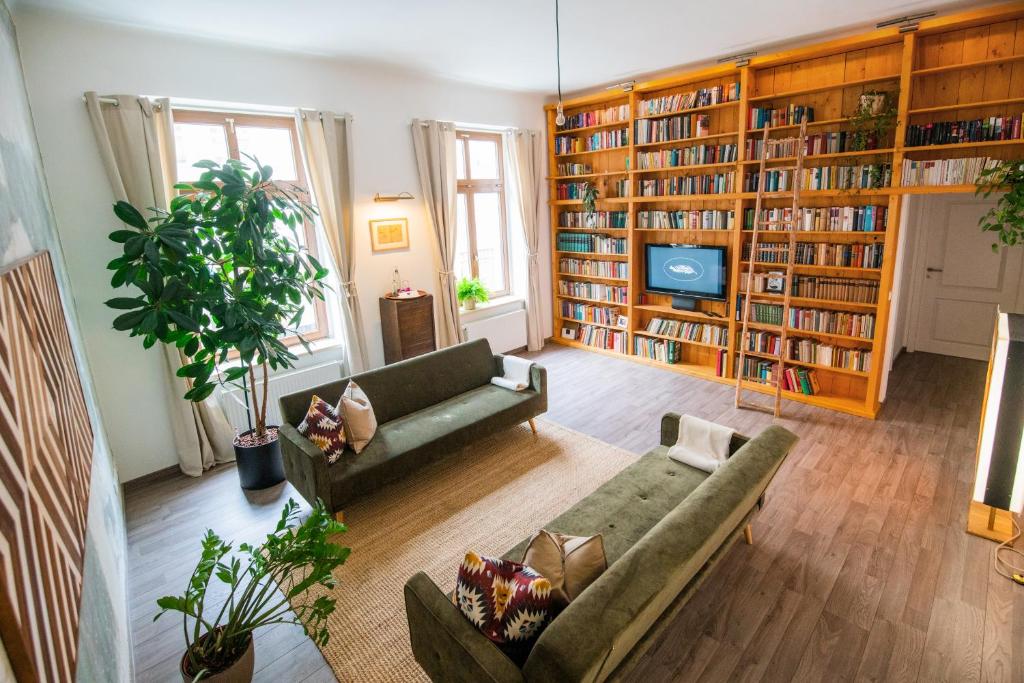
1006,218
873,120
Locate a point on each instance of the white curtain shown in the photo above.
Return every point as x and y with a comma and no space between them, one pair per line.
434,142
527,166
327,145
135,138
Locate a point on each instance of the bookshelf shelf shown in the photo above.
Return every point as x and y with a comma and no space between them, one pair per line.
822,88
645,333
588,347
593,230
934,72
586,322
599,302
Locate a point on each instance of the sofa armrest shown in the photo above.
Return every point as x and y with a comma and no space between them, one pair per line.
445,644
669,429
538,376
305,467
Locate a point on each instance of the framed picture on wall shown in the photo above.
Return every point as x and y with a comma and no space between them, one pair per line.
388,234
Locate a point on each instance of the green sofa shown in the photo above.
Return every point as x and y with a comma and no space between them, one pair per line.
426,407
665,525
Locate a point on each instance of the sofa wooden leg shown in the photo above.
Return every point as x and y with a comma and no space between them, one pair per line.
748,534
340,516
533,425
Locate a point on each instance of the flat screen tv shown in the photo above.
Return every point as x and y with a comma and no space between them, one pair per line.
686,271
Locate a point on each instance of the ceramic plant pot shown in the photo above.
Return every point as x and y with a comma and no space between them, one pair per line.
239,672
259,466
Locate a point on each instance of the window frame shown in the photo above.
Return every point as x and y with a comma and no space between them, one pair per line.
228,120
469,187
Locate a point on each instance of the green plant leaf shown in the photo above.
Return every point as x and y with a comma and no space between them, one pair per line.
130,215
125,303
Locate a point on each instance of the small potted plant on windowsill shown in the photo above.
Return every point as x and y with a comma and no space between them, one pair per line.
1006,218
590,196
219,279
469,292
294,557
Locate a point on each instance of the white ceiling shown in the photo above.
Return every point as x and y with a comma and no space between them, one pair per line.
508,44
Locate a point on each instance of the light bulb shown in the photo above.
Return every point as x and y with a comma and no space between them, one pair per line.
560,116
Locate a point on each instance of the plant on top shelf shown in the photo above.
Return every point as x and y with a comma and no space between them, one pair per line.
469,292
219,274
873,120
294,557
590,197
1006,218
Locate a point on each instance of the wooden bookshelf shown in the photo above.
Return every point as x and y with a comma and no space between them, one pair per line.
956,67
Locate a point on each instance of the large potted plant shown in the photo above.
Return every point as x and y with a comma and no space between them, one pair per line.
294,557
220,277
1006,218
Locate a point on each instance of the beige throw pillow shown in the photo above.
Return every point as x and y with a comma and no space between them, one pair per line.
357,416
570,563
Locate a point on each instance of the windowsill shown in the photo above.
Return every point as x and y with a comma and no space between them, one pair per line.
318,347
498,306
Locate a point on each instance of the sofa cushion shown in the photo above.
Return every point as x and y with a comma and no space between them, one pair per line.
570,563
400,446
506,600
627,506
359,418
322,425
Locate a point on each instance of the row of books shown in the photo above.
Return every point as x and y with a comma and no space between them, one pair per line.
945,171
819,254
797,380
833,322
702,97
870,218
846,177
599,219
658,349
570,190
769,314
672,128
721,358
801,381
690,331
589,313
781,148
598,140
697,219
759,117
686,156
611,269
601,338
597,117
616,294
842,289
955,132
574,169
620,188
759,341
829,355
587,242
708,183
757,370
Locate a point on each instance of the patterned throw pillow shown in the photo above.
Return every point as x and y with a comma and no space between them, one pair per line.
506,600
322,425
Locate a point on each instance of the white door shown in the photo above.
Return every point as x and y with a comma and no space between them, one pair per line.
960,280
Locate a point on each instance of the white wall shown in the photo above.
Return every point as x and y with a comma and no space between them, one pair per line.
64,57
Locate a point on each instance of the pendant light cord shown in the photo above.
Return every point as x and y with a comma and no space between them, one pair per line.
558,54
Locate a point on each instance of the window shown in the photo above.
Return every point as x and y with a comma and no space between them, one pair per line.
481,244
273,140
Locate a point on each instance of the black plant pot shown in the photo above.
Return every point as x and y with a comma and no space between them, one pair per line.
259,467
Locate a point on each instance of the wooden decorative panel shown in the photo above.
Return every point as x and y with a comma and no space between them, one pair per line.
45,460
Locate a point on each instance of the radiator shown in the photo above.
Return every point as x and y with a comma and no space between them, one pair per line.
504,332
233,400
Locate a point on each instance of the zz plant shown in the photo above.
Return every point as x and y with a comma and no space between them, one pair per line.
295,557
218,272
1006,218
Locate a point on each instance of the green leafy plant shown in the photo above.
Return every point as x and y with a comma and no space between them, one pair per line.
873,123
471,289
217,273
1006,218
295,557
589,197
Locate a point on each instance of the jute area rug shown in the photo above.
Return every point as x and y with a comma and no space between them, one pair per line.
486,498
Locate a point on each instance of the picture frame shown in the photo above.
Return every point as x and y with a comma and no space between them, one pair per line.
776,283
389,234
569,333
622,321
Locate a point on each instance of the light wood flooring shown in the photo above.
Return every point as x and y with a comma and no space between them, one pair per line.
860,569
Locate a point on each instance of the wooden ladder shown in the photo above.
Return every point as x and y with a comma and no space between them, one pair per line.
780,358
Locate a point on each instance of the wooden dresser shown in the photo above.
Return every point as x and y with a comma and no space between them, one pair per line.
407,326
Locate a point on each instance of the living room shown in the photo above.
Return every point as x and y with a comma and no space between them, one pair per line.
478,366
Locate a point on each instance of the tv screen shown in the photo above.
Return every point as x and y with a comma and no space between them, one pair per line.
686,270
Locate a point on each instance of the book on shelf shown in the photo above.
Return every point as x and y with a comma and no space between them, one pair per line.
707,183
769,314
712,335
697,219
585,267
617,294
596,117
870,218
801,381
993,128
601,338
828,355
681,127
593,142
773,117
838,289
818,143
588,313
665,351
931,172
702,97
843,323
570,169
590,243
694,155
599,219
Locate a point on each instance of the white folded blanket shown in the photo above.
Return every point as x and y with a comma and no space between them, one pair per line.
701,444
517,373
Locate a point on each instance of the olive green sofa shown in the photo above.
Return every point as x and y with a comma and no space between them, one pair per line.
426,407
665,526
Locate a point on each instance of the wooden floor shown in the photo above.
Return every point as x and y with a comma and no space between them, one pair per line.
860,568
